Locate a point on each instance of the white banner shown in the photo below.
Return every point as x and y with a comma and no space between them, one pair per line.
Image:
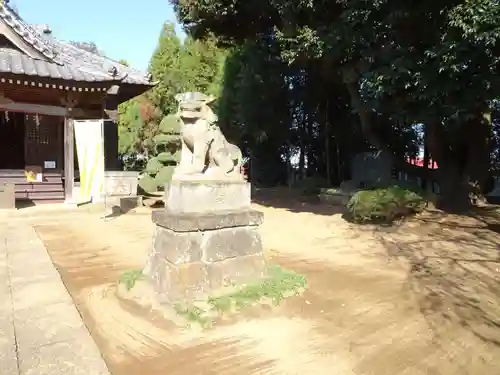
90,153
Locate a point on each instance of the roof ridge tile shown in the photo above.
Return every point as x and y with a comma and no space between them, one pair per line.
27,33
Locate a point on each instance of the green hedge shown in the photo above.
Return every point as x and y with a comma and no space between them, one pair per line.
170,124
164,175
148,184
153,166
167,157
165,139
384,204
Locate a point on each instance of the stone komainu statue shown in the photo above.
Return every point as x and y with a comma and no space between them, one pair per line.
205,153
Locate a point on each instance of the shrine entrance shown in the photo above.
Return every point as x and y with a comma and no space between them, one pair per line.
12,135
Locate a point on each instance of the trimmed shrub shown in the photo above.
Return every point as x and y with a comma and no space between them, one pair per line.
153,166
164,175
147,184
170,124
167,157
167,144
384,204
165,139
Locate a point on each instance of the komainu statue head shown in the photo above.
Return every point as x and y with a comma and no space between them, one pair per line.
194,106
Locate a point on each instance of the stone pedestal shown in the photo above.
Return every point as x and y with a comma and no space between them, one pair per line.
206,238
7,196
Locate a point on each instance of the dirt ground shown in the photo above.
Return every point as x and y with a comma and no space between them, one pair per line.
423,298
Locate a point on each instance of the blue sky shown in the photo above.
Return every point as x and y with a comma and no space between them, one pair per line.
121,29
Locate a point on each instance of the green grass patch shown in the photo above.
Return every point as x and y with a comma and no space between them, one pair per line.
129,278
278,285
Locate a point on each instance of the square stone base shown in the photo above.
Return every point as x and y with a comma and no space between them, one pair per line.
175,283
207,196
194,254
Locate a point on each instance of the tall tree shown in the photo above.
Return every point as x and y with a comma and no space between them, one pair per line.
165,69
399,62
177,67
254,107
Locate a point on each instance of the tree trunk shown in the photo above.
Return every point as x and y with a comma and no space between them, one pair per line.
302,156
289,168
478,132
327,146
425,177
339,165
351,83
310,157
454,187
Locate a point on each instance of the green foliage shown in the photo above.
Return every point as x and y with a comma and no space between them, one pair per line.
165,69
167,145
164,175
190,66
176,67
349,76
148,184
129,278
129,125
165,139
153,166
167,157
170,124
275,287
279,284
137,126
384,204
326,80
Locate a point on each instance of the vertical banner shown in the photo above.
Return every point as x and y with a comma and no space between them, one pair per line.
90,153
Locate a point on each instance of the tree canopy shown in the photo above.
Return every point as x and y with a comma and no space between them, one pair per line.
176,66
392,63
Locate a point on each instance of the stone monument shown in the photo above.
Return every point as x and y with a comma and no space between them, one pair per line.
495,192
369,168
207,236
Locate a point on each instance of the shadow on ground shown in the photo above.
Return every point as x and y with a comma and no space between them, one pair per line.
454,268
86,269
293,201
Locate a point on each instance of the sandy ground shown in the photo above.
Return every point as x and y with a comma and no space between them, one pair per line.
423,298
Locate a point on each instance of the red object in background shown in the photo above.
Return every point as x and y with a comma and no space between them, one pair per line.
244,172
420,163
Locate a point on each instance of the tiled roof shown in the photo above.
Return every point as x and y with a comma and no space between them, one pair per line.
16,62
84,60
30,36
61,59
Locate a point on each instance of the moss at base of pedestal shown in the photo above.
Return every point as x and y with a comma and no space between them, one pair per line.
130,278
279,285
272,290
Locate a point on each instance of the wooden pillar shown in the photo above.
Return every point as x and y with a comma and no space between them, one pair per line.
69,159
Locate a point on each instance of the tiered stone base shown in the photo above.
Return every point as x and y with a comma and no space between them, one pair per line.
202,247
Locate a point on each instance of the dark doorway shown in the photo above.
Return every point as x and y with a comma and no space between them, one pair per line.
12,132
